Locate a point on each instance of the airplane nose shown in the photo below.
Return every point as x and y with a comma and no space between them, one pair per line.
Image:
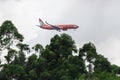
76,26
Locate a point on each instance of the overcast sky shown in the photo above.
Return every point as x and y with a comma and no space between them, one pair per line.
98,21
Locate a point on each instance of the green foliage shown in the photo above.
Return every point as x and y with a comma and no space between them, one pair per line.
104,76
10,55
38,48
12,71
8,34
55,62
32,74
31,63
89,51
102,64
115,69
23,47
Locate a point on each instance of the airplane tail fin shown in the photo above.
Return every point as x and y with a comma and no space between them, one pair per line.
41,22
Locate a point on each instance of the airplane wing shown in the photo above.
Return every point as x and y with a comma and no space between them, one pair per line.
57,28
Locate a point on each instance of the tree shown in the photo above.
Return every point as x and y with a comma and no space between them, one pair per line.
38,48
31,63
55,62
9,57
61,62
11,71
89,52
102,64
8,35
23,47
62,45
115,69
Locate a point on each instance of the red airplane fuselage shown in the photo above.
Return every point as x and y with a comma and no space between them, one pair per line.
62,27
56,27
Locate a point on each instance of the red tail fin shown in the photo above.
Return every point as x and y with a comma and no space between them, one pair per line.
41,22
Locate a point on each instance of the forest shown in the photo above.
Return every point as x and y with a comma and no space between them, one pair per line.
59,60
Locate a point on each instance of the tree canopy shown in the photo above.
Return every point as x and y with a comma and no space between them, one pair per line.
56,61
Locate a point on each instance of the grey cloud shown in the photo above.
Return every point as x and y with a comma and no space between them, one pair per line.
9,0
98,20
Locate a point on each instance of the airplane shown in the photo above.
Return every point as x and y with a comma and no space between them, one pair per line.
60,27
